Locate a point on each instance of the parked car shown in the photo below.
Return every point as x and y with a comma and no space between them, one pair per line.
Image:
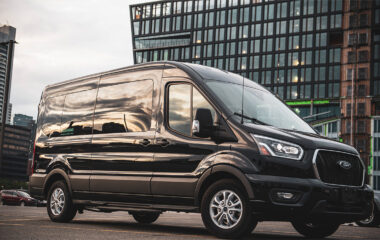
177,136
374,219
15,197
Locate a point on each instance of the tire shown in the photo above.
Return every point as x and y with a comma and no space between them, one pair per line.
22,204
62,209
145,217
313,230
222,219
372,221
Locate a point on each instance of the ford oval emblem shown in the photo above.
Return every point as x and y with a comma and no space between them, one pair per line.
344,164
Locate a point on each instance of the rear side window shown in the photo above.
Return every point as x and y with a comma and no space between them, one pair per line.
77,116
125,107
52,118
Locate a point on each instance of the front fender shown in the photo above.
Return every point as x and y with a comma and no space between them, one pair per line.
230,162
228,157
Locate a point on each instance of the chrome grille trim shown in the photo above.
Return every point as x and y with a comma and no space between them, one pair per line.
341,185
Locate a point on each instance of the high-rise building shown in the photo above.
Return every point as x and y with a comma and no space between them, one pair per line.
7,35
23,120
321,56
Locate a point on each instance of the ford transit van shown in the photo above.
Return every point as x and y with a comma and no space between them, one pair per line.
184,137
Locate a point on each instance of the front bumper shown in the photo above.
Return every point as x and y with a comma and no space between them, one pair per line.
313,201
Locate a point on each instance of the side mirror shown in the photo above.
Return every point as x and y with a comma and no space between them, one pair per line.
202,123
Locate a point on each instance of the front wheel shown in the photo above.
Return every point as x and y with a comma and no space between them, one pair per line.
315,230
59,205
225,210
145,217
372,221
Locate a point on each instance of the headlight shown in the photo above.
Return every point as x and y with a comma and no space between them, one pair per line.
273,147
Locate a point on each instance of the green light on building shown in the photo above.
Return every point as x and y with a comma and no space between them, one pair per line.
317,102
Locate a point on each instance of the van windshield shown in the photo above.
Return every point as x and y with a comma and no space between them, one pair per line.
259,106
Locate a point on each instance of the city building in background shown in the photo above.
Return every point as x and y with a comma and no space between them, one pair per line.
9,114
23,120
7,34
321,56
16,148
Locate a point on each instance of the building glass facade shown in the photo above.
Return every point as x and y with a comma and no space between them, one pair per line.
305,51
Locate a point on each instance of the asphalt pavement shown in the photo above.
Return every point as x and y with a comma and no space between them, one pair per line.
32,223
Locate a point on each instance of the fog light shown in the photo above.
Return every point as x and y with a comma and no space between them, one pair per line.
285,195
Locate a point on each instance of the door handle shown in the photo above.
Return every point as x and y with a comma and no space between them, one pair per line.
163,142
144,142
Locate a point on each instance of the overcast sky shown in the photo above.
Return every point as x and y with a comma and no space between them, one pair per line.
63,39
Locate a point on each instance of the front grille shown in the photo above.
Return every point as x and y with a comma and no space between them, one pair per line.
329,171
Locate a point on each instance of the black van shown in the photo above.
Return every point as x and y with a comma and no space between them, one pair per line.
176,136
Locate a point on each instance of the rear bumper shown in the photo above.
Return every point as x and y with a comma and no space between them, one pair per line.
313,200
36,183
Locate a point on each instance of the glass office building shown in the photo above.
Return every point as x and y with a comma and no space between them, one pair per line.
307,52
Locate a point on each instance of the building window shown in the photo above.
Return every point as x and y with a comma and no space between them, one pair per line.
352,39
363,38
348,109
362,74
295,9
348,127
349,91
363,20
351,57
361,145
336,5
353,5
349,74
294,26
362,91
353,21
308,7
361,126
361,109
336,21
363,56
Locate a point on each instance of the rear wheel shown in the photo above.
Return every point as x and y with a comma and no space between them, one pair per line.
145,217
225,210
315,230
59,205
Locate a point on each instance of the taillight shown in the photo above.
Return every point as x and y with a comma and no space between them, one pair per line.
31,170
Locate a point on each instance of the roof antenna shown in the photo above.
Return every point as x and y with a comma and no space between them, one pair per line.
242,105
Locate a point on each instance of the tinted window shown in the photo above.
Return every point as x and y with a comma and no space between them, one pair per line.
179,108
181,98
125,107
77,117
52,118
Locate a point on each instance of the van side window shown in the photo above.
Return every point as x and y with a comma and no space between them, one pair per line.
77,116
52,117
184,100
125,107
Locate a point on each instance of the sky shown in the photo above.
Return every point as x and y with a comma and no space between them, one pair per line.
63,39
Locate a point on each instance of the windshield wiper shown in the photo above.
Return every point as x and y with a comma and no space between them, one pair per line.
250,118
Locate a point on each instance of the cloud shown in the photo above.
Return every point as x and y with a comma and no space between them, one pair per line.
60,40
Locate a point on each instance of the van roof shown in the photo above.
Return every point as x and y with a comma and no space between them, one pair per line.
198,72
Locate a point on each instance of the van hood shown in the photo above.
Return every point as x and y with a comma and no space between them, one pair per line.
307,141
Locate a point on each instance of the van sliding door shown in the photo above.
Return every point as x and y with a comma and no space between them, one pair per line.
123,140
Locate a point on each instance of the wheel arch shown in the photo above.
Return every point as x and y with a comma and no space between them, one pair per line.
56,175
216,173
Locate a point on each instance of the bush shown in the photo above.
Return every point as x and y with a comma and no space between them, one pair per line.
12,184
